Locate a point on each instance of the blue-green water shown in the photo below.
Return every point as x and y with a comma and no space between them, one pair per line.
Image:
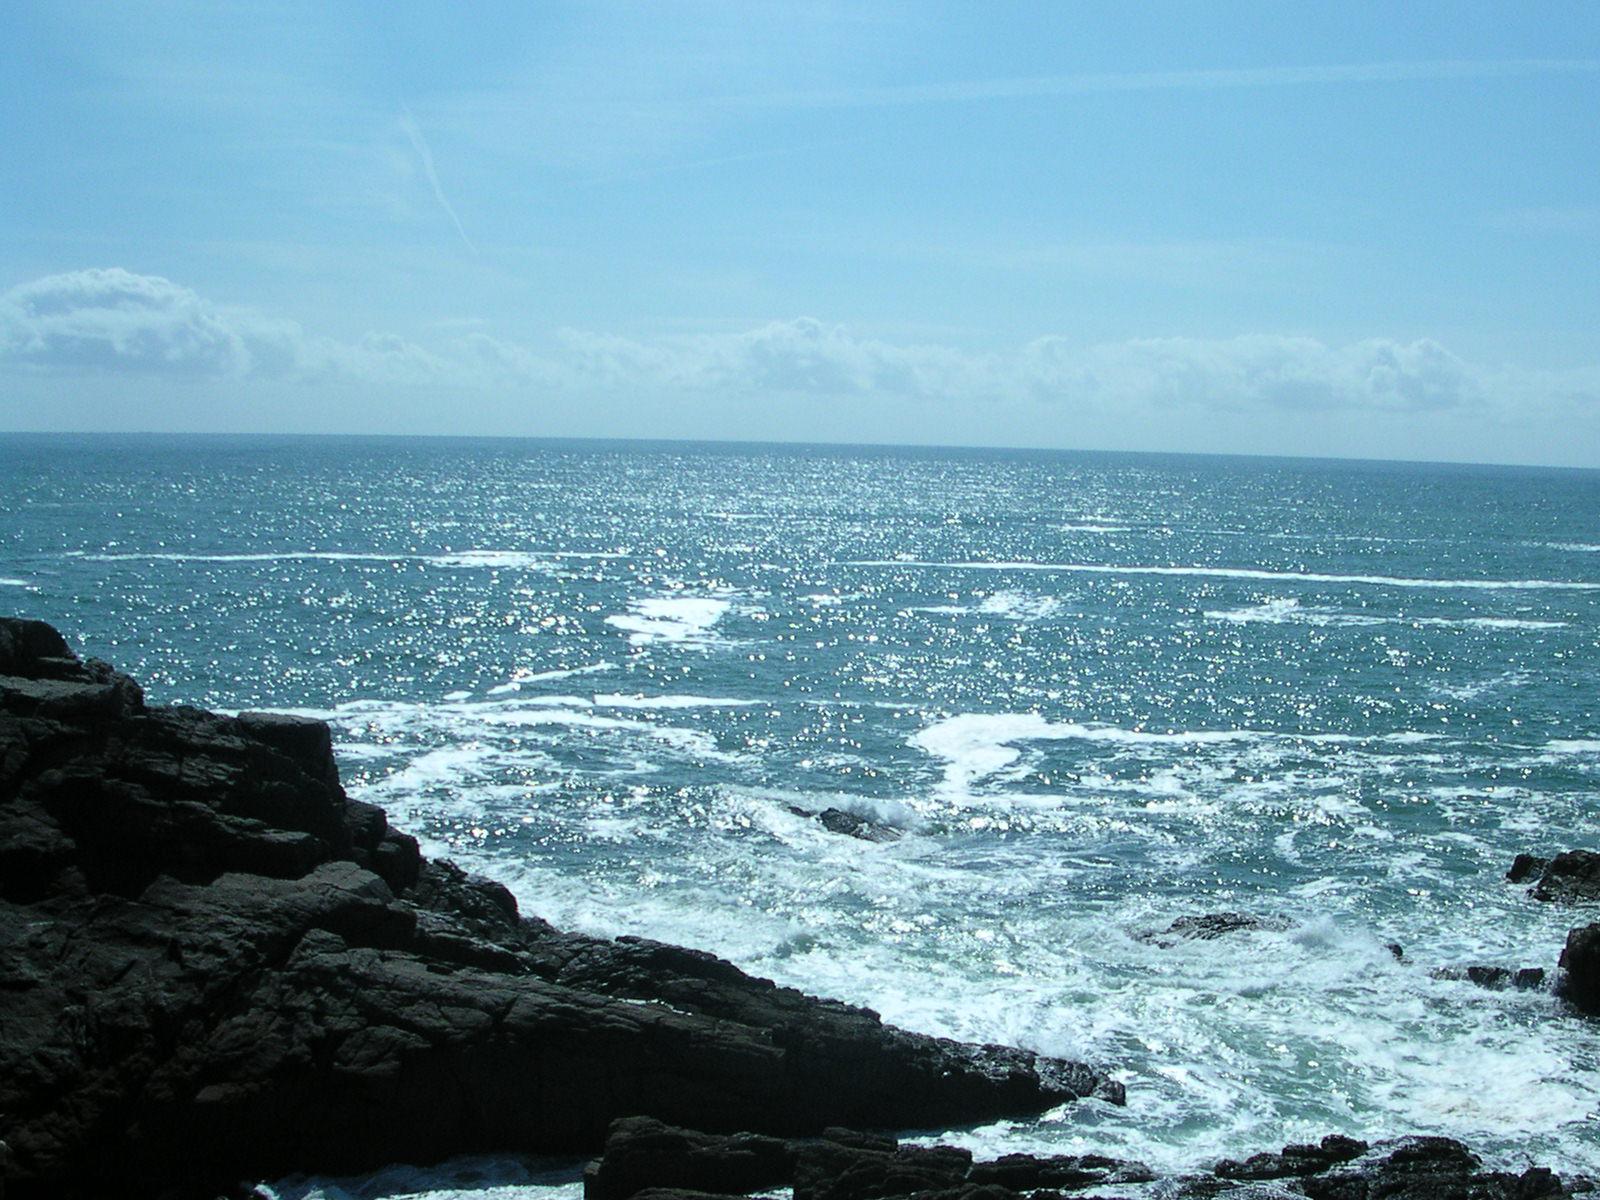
1097,692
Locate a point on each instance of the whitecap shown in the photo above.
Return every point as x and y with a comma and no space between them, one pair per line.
684,620
1020,606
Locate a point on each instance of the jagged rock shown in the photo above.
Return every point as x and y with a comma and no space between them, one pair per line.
1212,925
216,966
1428,1168
1580,960
1571,877
641,1152
1295,1160
1496,978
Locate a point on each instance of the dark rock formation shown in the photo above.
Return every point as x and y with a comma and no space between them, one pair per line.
838,820
1495,978
832,1171
1525,867
847,1166
1297,1160
642,1152
215,966
1571,877
1580,960
1428,1168
1061,1172
1212,925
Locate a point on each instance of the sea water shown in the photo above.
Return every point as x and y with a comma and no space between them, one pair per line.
1093,692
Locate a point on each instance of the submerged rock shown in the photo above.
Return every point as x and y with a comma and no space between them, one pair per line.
1212,925
217,966
838,820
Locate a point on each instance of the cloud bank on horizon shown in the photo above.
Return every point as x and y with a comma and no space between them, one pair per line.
109,320
1061,226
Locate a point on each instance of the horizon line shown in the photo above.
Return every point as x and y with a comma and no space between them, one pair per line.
791,444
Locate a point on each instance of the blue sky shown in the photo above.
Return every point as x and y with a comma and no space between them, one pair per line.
1345,229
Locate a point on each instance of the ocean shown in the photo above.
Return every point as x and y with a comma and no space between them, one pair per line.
1090,693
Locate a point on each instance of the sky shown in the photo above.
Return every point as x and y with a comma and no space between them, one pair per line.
1359,230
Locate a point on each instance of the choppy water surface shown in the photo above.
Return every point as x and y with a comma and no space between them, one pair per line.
1096,692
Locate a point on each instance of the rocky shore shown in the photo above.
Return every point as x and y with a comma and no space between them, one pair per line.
648,1160
216,967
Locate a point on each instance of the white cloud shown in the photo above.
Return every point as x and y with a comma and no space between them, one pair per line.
112,320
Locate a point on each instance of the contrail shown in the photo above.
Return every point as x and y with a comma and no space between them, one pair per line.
1158,81
420,145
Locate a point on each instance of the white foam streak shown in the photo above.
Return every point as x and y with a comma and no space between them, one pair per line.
665,702
516,682
490,559
1287,610
1235,573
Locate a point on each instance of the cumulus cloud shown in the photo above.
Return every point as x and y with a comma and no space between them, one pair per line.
114,320
110,319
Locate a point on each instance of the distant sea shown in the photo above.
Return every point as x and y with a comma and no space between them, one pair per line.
1093,693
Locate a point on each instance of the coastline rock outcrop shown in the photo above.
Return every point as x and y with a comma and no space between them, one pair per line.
216,966
645,1160
1571,877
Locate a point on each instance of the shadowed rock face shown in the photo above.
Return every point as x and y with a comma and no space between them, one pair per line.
1580,959
215,966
